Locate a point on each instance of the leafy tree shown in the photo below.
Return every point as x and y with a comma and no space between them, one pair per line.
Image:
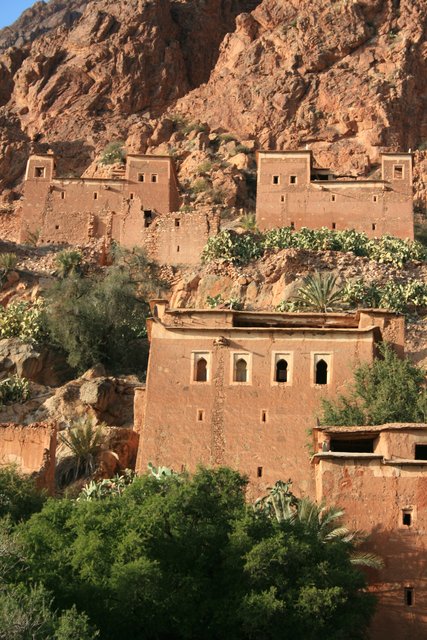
391,389
19,497
177,556
73,625
25,614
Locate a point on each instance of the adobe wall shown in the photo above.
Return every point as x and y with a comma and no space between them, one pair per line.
287,195
220,421
32,448
374,495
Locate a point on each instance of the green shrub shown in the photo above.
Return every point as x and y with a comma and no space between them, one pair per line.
14,389
19,497
408,297
205,167
8,261
390,389
24,321
68,262
228,246
200,185
113,152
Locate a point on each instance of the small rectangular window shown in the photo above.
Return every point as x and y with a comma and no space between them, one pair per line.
62,195
177,222
334,225
407,517
292,179
141,177
95,195
374,198
397,172
57,227
282,198
39,172
333,197
374,226
421,452
276,179
259,472
177,249
408,594
200,415
131,196
263,415
154,177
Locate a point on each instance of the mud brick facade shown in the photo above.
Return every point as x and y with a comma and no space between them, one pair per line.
243,388
379,476
292,192
136,209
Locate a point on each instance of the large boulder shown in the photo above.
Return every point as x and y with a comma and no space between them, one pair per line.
40,364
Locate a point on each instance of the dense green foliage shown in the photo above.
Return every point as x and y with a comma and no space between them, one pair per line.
68,262
174,556
113,152
242,248
390,389
19,498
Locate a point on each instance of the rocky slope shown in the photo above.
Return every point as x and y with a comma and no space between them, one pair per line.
348,78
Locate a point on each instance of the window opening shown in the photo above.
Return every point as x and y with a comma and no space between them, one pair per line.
148,218
141,177
177,248
409,596
421,452
333,198
200,415
282,198
374,198
406,517
263,415
276,179
241,373
57,226
359,445
292,179
282,371
39,172
62,195
177,222
131,196
154,177
259,472
334,225
201,372
321,372
398,172
374,226
95,195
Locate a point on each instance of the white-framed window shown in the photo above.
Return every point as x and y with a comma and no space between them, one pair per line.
241,368
200,367
281,368
321,369
275,179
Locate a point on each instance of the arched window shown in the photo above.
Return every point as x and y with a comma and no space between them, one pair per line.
281,371
201,370
321,372
241,371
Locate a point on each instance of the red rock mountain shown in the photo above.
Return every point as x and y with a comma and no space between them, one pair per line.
347,77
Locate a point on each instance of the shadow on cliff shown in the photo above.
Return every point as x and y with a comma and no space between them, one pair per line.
72,157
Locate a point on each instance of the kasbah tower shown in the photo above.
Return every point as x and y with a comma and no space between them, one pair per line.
268,129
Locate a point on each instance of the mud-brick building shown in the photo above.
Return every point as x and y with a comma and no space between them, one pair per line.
379,476
136,208
292,192
243,388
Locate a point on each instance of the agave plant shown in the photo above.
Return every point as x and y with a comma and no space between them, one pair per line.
82,444
320,292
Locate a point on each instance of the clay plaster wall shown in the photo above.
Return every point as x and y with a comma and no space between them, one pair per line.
374,496
287,196
259,425
32,448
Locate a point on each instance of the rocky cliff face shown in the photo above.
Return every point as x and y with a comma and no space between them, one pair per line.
347,77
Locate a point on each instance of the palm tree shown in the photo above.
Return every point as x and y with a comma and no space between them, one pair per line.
319,292
82,444
324,522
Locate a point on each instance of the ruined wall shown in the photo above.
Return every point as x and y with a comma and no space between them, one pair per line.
288,195
259,427
32,448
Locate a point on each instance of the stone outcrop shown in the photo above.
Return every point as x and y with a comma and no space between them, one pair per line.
39,364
